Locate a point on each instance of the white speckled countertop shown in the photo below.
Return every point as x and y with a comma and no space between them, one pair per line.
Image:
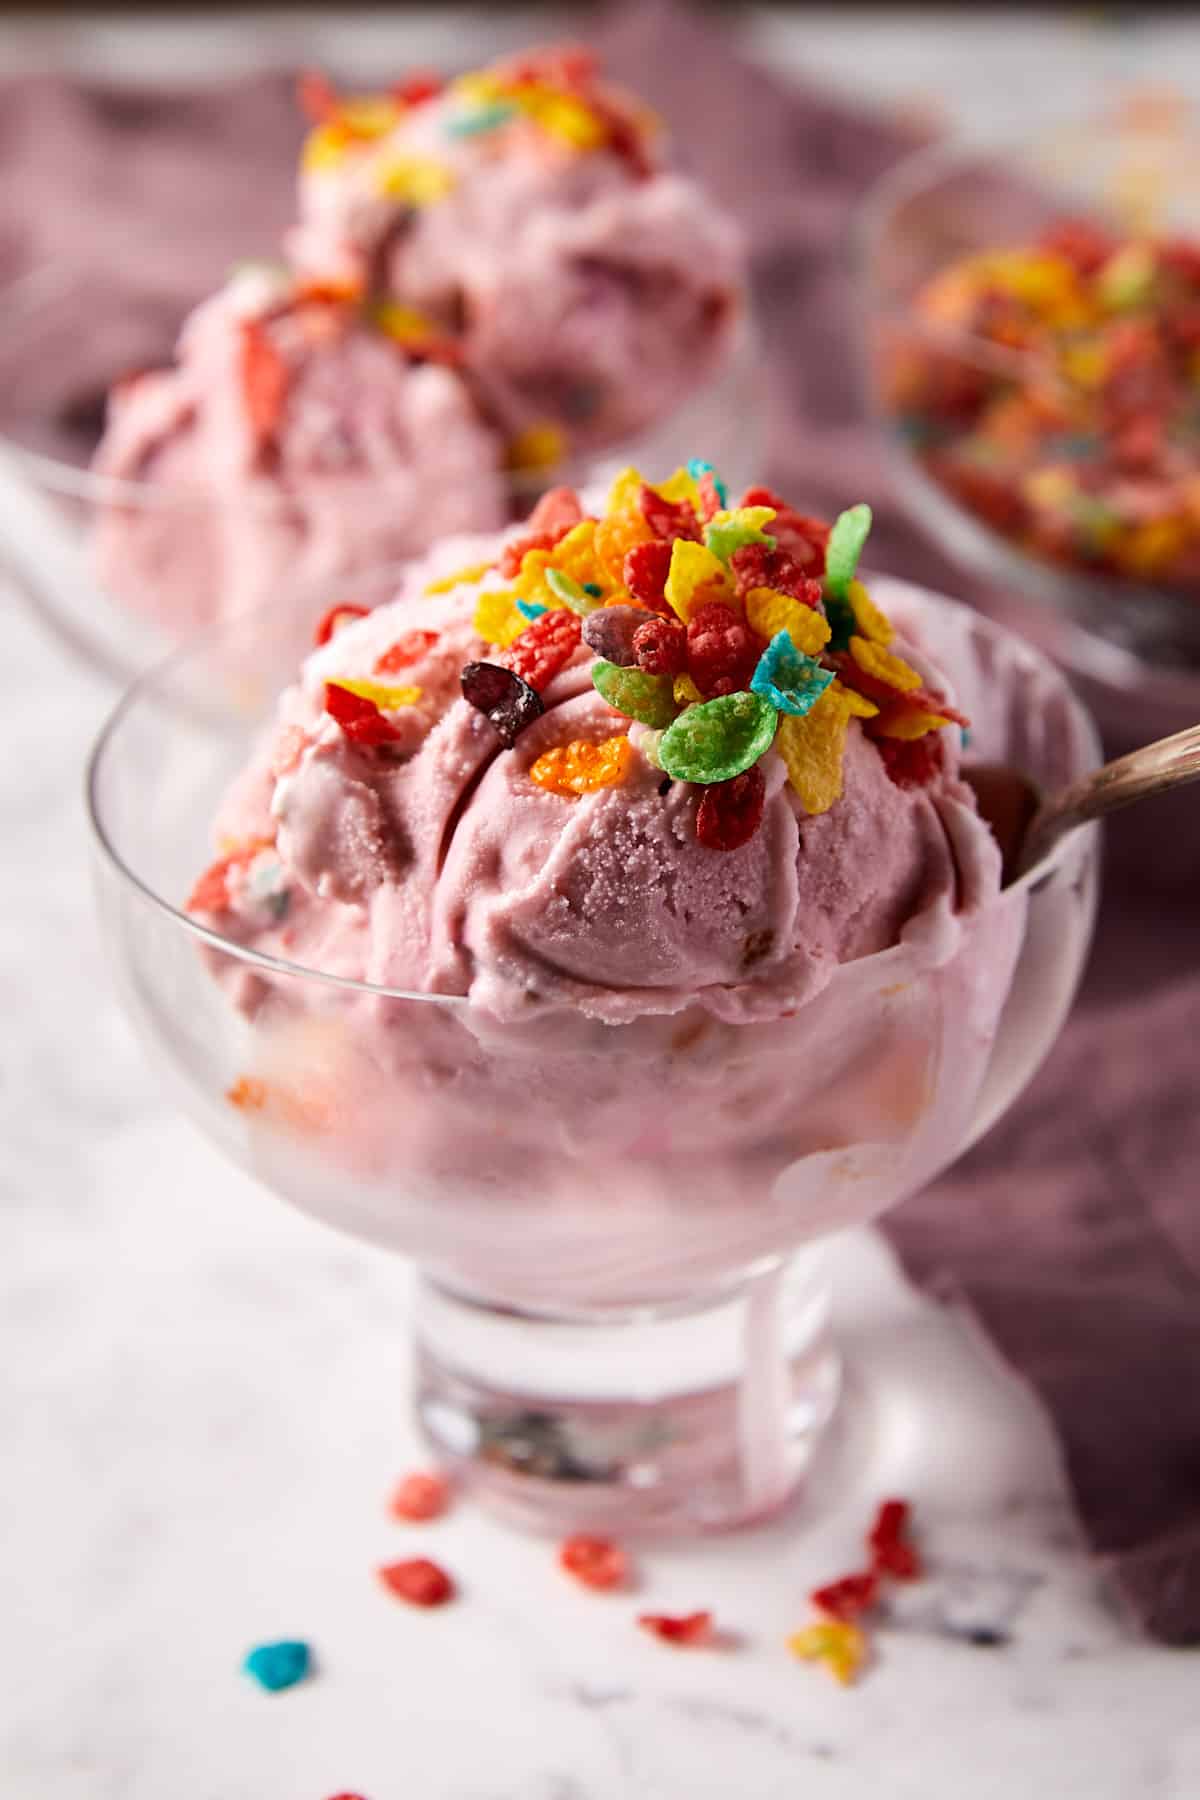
202,1407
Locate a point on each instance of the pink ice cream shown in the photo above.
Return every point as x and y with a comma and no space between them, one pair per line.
527,211
290,445
663,1060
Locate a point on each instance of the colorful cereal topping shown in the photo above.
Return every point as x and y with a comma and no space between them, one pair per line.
725,632
360,716
595,1561
418,1581
835,1644
583,768
688,1630
405,651
280,1665
334,619
422,1495
1053,387
892,1553
836,1639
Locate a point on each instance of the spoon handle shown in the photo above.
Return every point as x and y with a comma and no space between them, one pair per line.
1169,763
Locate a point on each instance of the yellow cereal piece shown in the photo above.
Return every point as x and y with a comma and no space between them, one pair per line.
769,612
812,747
695,577
872,624
574,556
539,446
623,494
496,617
616,535
1127,278
681,486
369,115
911,722
414,180
834,1643
460,578
1085,365
1050,488
563,116
744,518
387,699
584,768
403,324
686,693
857,705
480,88
874,660
1151,546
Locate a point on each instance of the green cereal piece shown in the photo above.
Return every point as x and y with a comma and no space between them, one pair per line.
725,540
570,592
719,739
846,541
648,698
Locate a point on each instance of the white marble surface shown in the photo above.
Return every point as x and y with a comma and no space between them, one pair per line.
202,1406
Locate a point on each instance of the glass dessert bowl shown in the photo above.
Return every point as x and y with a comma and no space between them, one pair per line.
615,1184
1029,312
491,285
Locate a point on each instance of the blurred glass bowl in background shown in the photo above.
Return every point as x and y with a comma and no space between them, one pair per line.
1059,459
64,529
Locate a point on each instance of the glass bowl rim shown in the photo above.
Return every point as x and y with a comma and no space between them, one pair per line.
145,684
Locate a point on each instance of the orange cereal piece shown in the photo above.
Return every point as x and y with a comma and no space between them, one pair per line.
583,768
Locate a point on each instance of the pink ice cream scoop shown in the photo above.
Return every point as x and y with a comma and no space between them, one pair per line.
290,444
526,211
770,1025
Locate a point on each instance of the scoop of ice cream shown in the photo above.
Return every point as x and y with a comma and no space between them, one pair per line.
421,853
291,443
526,212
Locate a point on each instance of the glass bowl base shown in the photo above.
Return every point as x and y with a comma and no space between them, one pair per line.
648,1422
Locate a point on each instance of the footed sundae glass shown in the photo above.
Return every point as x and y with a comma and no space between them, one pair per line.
620,1319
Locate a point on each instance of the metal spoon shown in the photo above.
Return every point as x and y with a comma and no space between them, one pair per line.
1027,827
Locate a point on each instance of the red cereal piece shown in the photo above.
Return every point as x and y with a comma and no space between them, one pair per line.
359,718
415,89
668,519
405,651
756,566
539,654
419,1496
660,646
730,812
418,1581
265,379
558,509
211,892
645,573
912,762
317,96
556,513
334,619
849,1597
710,499
686,1629
803,537
722,651
1080,242
595,1561
891,1554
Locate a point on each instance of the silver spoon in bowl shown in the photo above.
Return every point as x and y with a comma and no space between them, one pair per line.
1026,826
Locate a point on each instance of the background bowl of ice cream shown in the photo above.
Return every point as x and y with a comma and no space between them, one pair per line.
1029,310
608,1191
489,286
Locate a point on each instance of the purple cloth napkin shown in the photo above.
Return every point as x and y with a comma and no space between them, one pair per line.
1073,1230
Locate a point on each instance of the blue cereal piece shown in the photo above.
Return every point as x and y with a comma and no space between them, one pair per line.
531,609
279,1666
791,681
